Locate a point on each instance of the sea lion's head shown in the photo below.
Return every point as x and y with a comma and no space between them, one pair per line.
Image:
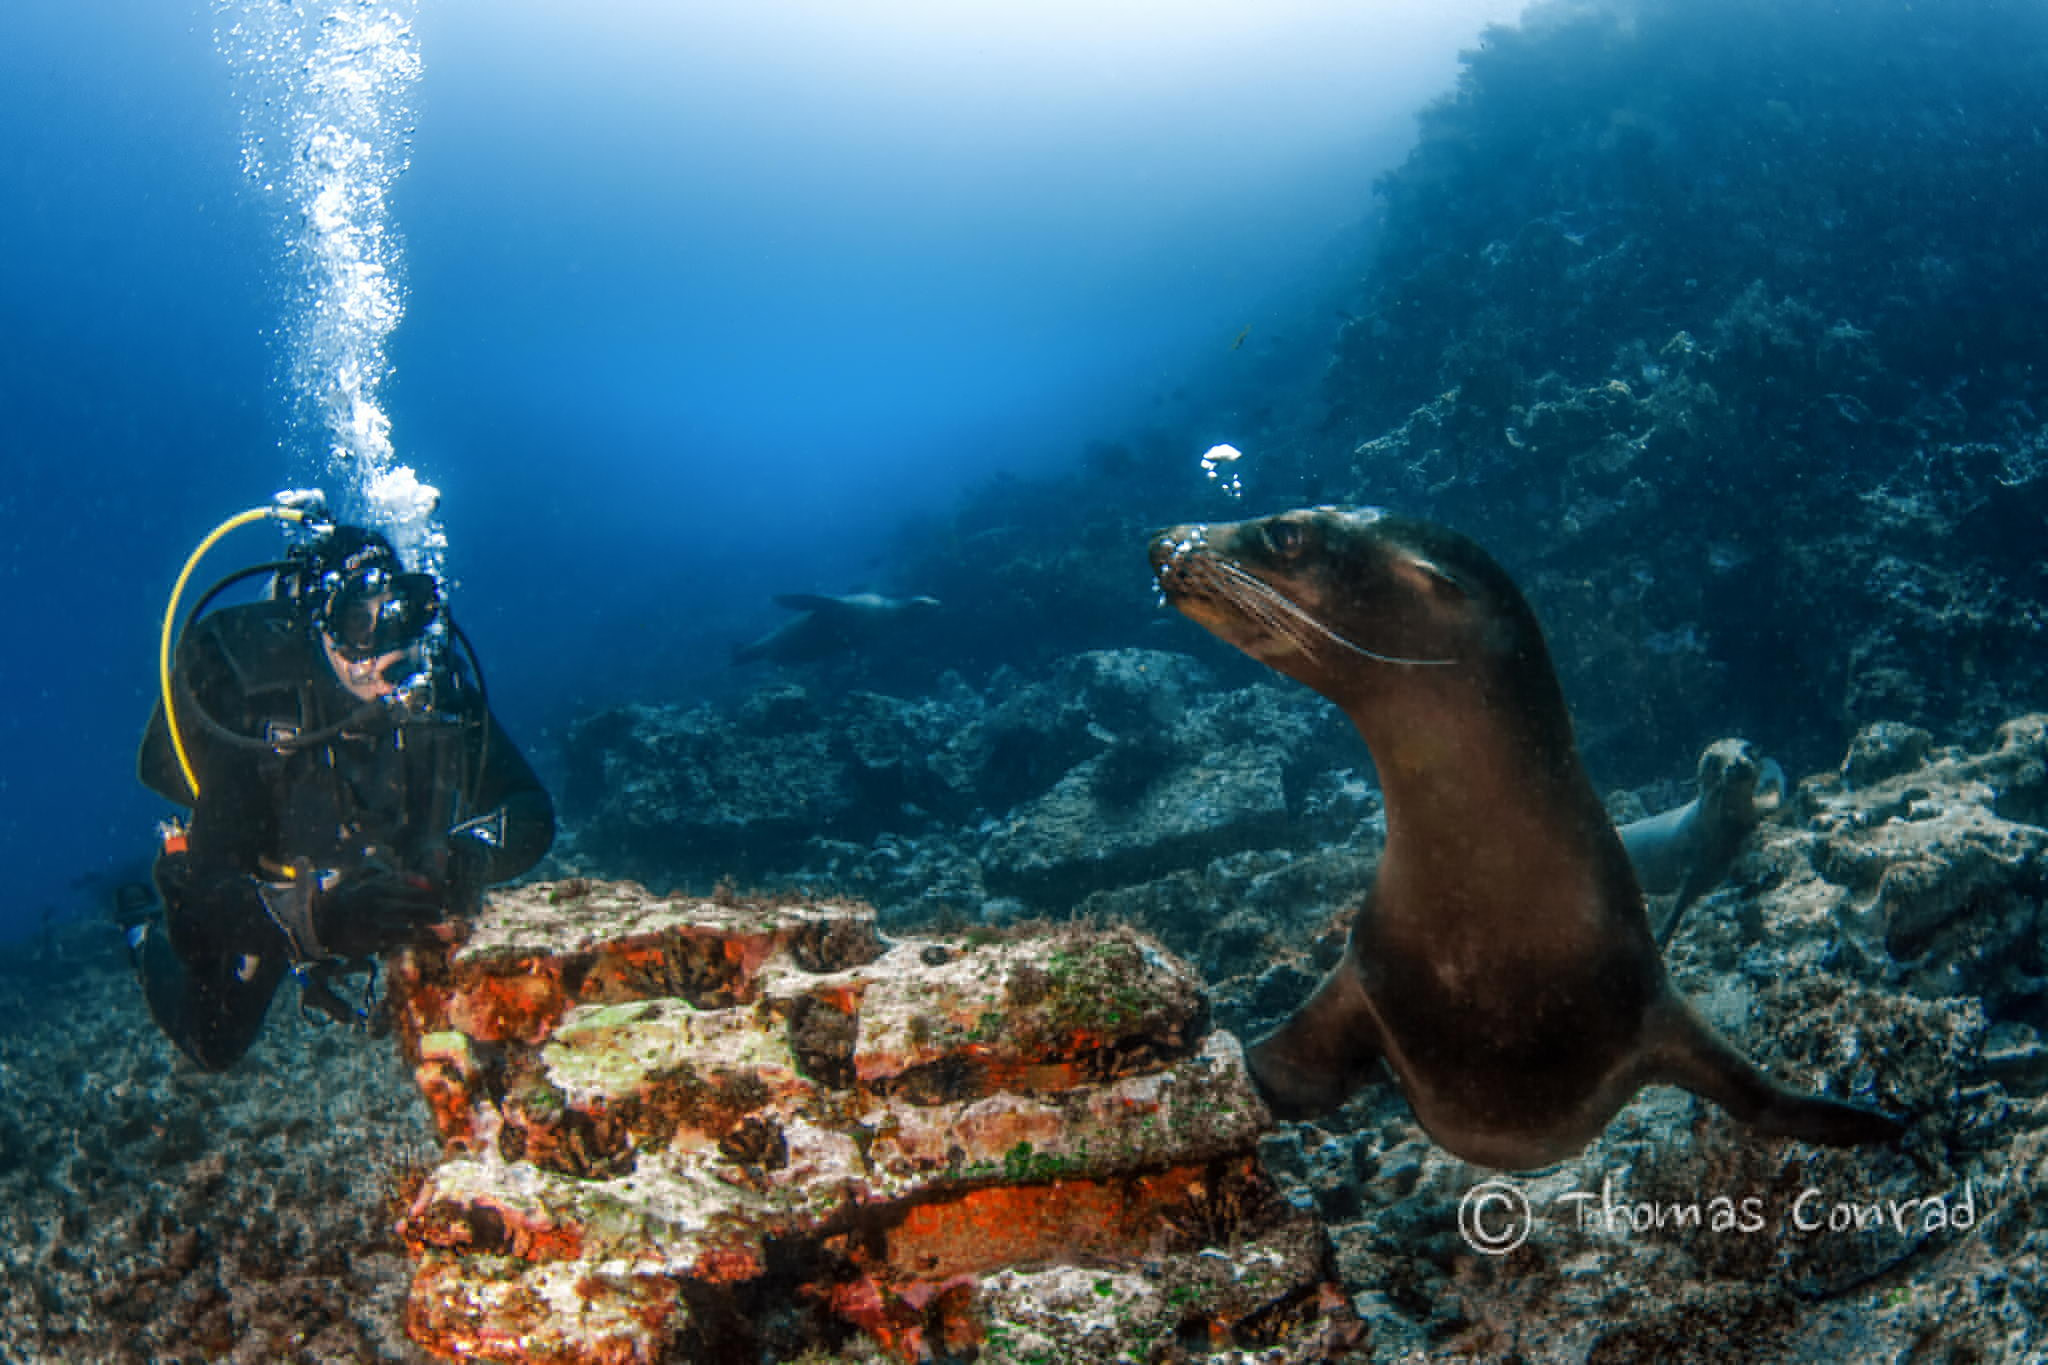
1336,597
1738,785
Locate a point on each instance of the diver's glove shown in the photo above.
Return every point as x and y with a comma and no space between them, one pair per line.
325,914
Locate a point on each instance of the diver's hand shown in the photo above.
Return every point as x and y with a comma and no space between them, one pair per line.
289,903
374,911
326,914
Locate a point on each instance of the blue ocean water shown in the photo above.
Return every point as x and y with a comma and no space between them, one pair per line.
700,307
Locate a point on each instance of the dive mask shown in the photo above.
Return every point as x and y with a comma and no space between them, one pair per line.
374,612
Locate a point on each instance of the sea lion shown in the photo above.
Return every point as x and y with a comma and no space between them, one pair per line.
830,625
1688,850
1502,964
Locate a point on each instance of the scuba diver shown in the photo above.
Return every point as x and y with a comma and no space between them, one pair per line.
348,785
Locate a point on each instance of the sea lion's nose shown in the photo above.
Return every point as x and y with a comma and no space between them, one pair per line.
1174,544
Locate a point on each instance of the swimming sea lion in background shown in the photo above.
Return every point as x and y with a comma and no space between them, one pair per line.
1690,849
830,625
1502,965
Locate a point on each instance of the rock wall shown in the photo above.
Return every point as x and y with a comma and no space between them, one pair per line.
1119,769
736,1130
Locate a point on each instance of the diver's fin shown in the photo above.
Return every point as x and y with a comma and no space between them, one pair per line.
1312,1063
1681,1050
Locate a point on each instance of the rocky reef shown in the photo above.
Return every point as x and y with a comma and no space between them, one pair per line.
740,1130
672,1127
1715,323
1029,796
1879,937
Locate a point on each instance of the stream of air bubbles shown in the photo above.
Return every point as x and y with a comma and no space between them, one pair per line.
324,88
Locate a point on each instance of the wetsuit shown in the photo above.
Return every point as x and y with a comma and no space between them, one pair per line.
377,803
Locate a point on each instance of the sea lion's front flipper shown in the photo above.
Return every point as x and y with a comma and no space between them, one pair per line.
1682,1051
1312,1063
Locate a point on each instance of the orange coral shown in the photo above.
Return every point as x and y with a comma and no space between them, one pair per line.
489,1227
729,1265
446,1091
523,1008
1056,1221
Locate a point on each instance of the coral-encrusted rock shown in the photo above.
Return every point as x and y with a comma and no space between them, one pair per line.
1927,838
712,1130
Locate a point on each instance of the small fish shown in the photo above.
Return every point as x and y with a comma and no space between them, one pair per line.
1241,336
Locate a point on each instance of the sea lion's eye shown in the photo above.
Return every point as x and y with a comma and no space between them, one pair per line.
1285,538
1442,582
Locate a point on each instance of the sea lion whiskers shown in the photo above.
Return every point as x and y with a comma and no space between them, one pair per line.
1258,601
1276,610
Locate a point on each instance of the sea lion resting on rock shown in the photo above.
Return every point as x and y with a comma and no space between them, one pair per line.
1502,964
1690,849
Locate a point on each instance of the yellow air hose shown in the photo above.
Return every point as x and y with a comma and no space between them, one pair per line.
163,658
